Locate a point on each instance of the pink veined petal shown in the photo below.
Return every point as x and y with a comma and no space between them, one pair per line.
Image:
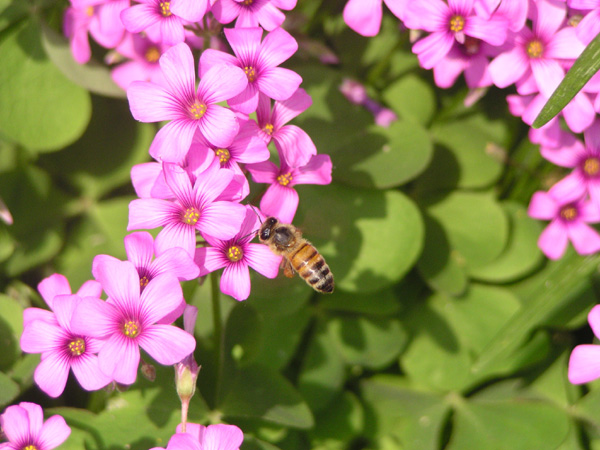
41,336
516,13
585,239
167,344
173,140
219,126
246,101
121,282
161,296
139,247
151,213
572,186
264,172
492,30
564,45
211,58
278,83
262,260
564,156
52,373
220,83
534,108
589,27
181,441
90,288
269,17
553,240
119,358
88,373
542,206
110,21
179,183
144,176
54,432
235,281
52,286
177,65
222,219
584,364
548,74
285,4
295,145
281,202
317,171
448,69
175,261
508,67
433,48
364,17
225,10
462,7
429,16
579,113
139,17
173,315
277,47
171,31
176,235
548,17
591,136
36,417
191,10
190,314
31,314
95,318
210,259
222,437
584,4
15,423
245,43
64,306
149,102
594,320
590,212
286,110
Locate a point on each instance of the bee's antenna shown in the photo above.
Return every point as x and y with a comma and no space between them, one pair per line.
255,232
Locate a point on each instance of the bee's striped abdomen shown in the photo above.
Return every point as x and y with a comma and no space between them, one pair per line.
311,266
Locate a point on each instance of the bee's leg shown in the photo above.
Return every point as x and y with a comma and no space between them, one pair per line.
288,270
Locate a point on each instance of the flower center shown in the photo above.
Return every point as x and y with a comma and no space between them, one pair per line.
165,8
250,73
284,179
248,2
89,11
223,155
131,328
591,166
77,347
197,110
457,23
190,216
574,20
144,282
30,447
568,213
535,49
269,129
234,253
152,54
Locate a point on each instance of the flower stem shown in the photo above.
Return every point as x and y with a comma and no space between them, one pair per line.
218,332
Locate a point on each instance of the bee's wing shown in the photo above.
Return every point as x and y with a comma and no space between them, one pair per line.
288,270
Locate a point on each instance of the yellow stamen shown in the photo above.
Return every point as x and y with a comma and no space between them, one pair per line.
89,11
591,166
568,213
284,179
197,110
144,281
248,2
30,447
250,73
535,49
152,54
190,216
223,155
165,8
457,23
269,129
77,346
131,329
234,253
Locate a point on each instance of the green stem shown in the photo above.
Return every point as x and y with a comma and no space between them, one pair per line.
218,332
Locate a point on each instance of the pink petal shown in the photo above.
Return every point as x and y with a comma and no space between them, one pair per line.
15,424
269,17
262,260
52,286
41,336
95,318
542,206
286,110
572,186
433,48
52,373
235,281
222,219
225,10
176,235
245,43
90,288
210,259
177,65
178,181
295,145
492,30
191,10
264,172
363,16
175,261
173,140
594,320
184,441
144,176
212,183
278,83
211,58
277,47
579,113
564,45
88,373
139,17
448,70
172,31
246,101
584,364
121,283
119,359
151,213
317,171
564,156
281,202
54,432
584,238
161,296
64,306
222,437
429,16
508,67
548,17
553,240
591,135
150,102
139,247
167,344
31,314
221,82
219,126
548,74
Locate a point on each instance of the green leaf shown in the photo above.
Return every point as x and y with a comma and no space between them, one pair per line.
39,108
578,75
93,76
382,303
521,254
243,334
412,98
370,239
259,392
9,390
339,424
11,328
372,343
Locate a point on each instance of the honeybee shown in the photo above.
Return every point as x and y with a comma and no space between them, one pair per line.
298,254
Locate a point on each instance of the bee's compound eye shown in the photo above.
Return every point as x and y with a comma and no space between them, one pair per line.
271,221
264,234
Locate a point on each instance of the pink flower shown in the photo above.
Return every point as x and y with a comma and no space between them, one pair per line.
191,10
356,93
449,23
212,437
195,208
252,13
127,320
259,61
155,18
569,218
187,109
281,199
62,349
235,255
24,427
589,26
534,61
515,11
584,363
364,16
292,142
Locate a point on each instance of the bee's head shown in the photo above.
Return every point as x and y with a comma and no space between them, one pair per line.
267,229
